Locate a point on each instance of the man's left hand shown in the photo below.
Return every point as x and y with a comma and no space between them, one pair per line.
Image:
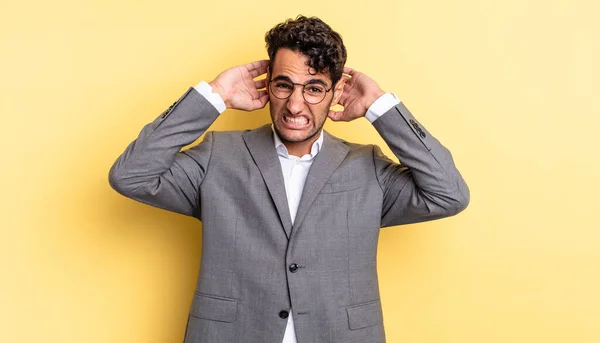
360,92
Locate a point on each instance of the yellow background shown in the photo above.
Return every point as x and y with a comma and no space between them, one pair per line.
511,87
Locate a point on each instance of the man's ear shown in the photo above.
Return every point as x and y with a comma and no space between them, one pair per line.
338,90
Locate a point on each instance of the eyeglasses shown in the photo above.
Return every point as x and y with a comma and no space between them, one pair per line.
313,93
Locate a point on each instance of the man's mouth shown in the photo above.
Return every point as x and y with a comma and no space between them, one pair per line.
299,120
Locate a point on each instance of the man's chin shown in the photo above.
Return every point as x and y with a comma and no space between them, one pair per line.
296,136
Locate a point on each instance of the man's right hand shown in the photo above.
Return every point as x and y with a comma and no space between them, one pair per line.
237,87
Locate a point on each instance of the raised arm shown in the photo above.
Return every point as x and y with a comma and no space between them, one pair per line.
426,184
155,171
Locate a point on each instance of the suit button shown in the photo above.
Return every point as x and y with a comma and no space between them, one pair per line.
293,268
283,314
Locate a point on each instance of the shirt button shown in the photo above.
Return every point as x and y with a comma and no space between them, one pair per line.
293,268
283,314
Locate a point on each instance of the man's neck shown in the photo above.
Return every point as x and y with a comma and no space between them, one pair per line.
300,149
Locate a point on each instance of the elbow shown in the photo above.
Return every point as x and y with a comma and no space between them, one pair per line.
462,204
461,201
452,203
118,182
131,184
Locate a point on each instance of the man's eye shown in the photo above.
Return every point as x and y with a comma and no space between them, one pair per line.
283,86
314,90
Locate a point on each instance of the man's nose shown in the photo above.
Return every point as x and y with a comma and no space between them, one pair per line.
295,102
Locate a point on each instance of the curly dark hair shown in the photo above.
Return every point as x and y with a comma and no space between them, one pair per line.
313,38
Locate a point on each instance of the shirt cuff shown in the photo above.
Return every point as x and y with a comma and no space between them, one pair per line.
215,99
381,105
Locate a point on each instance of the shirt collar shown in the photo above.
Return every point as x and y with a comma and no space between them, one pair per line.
283,151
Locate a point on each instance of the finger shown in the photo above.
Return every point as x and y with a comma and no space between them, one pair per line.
257,64
346,97
262,93
257,72
257,68
263,63
258,94
260,84
260,102
347,79
349,71
335,115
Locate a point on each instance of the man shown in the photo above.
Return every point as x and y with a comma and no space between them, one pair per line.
291,215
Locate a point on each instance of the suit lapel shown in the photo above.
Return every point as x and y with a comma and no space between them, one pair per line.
262,148
327,161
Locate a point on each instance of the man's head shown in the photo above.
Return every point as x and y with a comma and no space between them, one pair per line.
303,51
312,38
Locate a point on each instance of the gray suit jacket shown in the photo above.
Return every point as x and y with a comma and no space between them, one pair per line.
255,264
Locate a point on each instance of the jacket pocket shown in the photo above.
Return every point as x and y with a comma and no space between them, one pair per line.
212,307
364,315
337,187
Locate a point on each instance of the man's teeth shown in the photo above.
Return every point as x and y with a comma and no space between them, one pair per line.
296,120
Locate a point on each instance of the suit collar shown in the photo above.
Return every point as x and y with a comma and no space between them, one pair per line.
260,143
327,161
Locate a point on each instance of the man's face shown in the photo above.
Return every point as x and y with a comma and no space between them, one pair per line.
294,119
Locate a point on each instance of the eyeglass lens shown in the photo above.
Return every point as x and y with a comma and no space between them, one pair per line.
313,92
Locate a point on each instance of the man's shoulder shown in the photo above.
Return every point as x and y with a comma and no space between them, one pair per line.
237,138
228,133
233,134
355,148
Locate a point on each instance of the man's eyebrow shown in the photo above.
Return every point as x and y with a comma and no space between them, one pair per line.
309,82
319,81
282,77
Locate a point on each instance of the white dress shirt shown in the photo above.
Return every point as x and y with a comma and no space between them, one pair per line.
294,168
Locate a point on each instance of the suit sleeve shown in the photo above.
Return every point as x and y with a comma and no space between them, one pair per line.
426,185
154,170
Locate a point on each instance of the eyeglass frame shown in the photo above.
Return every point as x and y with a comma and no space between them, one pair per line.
298,84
